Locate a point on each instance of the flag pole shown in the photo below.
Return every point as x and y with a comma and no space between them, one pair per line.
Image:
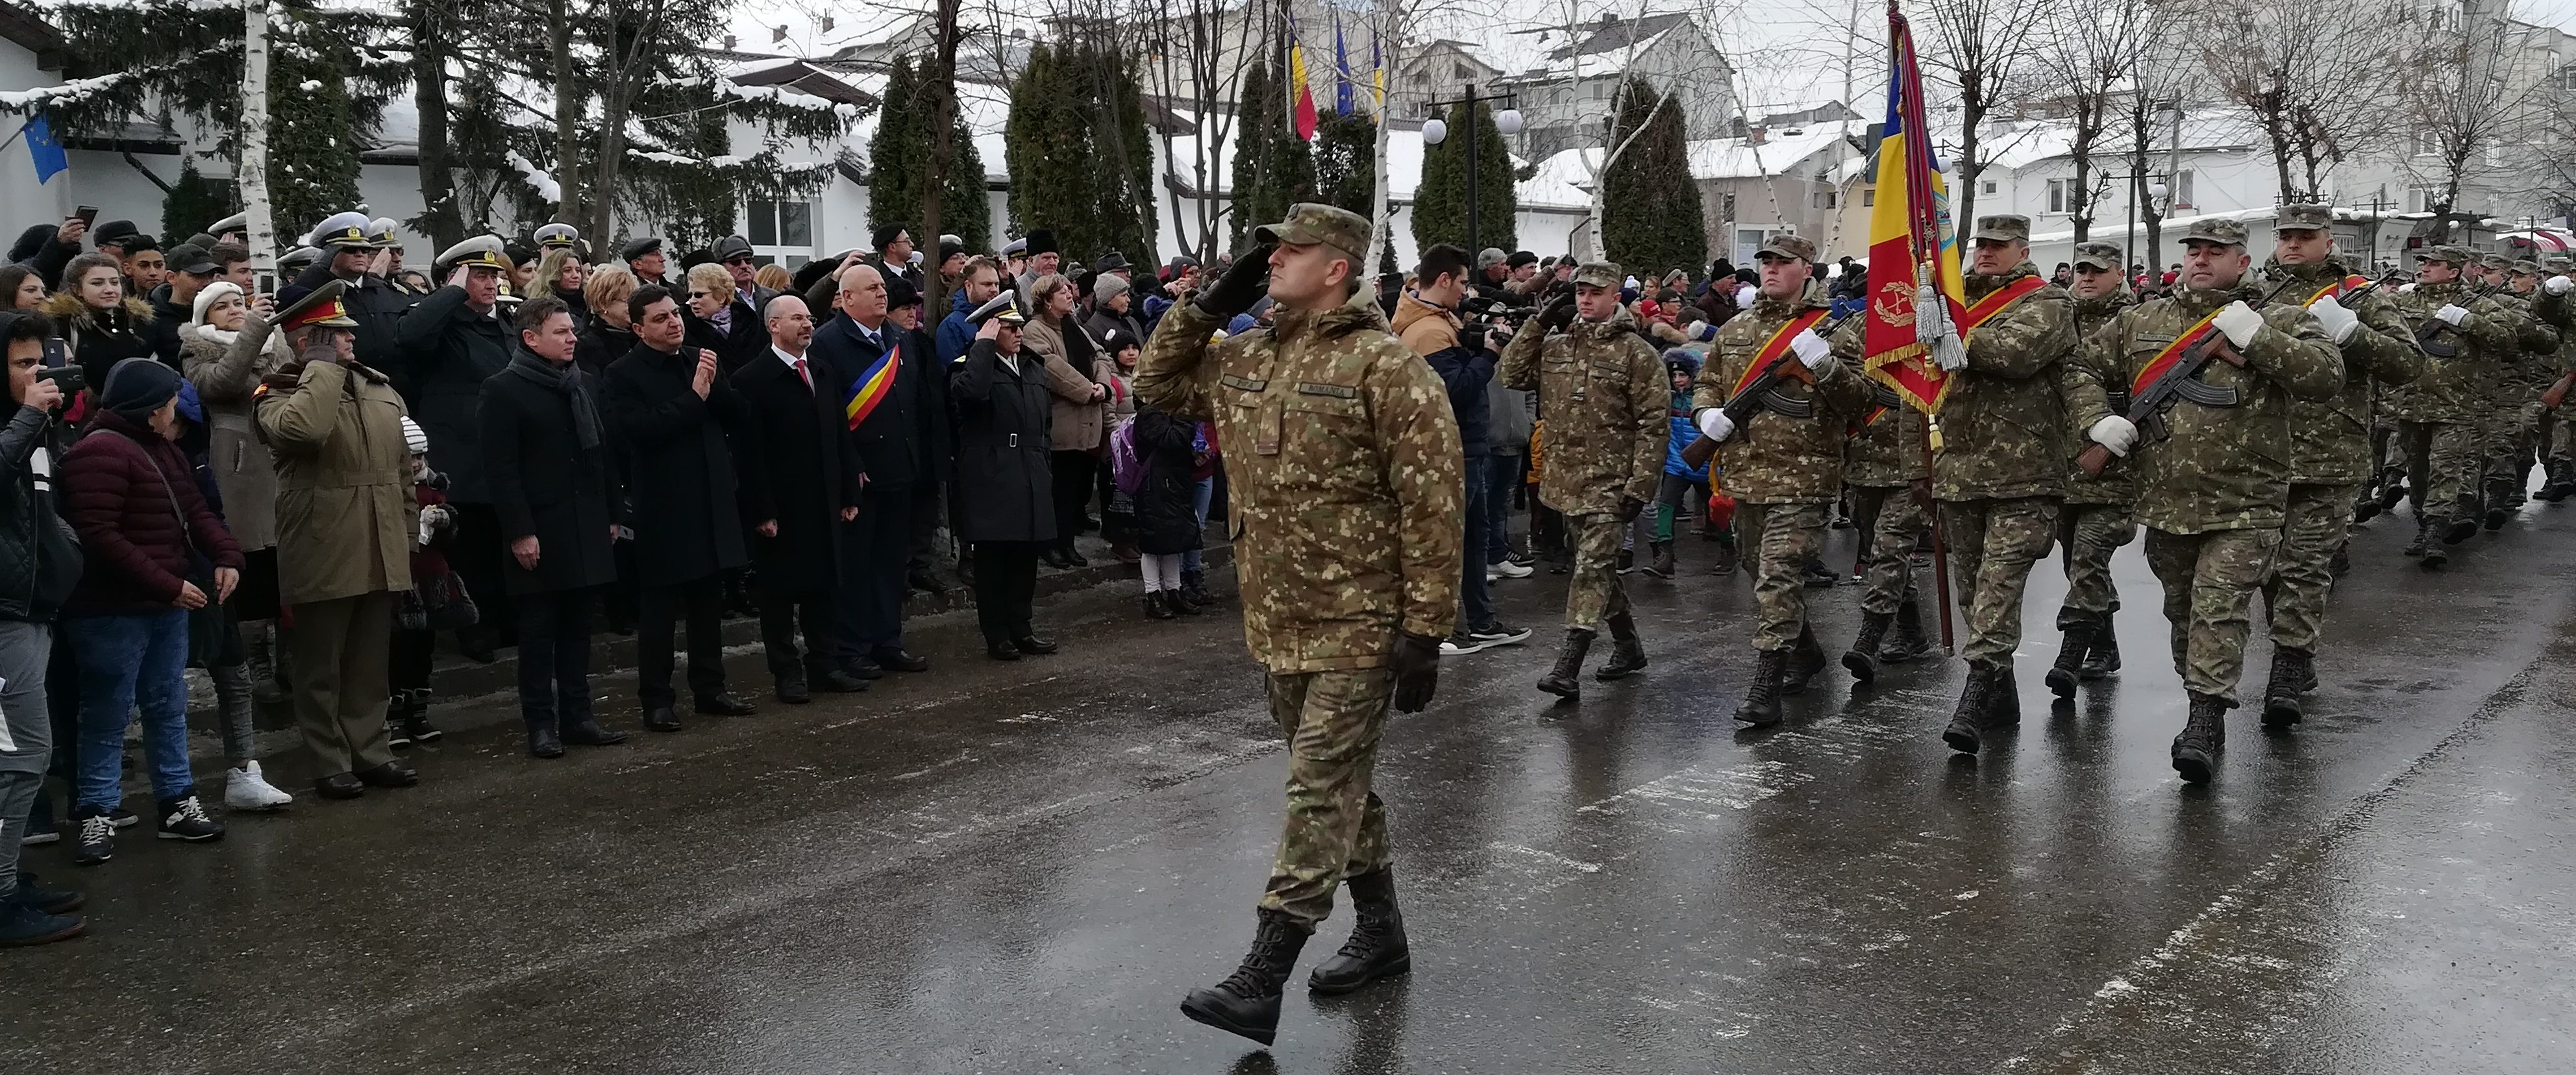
1927,244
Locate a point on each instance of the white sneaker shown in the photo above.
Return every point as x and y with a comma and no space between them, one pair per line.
1507,569
245,789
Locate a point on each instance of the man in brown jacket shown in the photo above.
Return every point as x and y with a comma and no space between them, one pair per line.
344,520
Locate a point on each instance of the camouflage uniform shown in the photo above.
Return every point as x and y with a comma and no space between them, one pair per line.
2094,520
2438,415
2002,465
2517,409
1784,472
2213,494
2330,439
1607,403
2556,438
1343,459
1882,466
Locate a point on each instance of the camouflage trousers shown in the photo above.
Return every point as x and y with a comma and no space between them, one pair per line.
2091,533
1777,540
1992,545
2294,596
2507,436
1336,825
2441,466
1593,593
1895,521
2209,582
2557,437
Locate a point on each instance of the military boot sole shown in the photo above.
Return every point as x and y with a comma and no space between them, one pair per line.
1962,736
2281,712
2061,681
2460,530
2434,558
1616,670
2193,764
2495,519
1859,664
1752,717
1209,1006
1568,689
1321,984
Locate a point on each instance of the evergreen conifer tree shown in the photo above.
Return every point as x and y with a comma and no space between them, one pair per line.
1440,203
1650,218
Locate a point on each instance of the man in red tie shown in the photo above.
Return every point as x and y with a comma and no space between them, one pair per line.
801,479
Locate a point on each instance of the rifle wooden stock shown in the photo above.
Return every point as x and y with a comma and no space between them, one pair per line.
2093,459
1697,453
2557,393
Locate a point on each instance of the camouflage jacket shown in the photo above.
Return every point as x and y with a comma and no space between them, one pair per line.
2559,313
1345,471
1886,451
2330,442
2118,482
1777,459
2454,389
2535,358
1607,403
2224,468
2003,425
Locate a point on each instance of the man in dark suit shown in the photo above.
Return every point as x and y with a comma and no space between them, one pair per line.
931,416
801,478
671,411
877,373
451,343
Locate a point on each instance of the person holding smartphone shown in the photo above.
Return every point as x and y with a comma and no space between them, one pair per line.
40,562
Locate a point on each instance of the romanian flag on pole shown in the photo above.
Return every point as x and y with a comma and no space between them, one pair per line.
1301,97
1916,295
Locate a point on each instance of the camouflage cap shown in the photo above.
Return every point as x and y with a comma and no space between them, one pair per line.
2002,228
1599,274
2097,256
2559,263
1784,245
2526,267
2494,261
2304,217
1310,223
2453,256
2215,230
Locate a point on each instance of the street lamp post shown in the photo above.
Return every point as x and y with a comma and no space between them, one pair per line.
1436,131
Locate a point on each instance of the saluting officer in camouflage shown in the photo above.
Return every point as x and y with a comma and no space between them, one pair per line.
2555,439
1345,467
2094,520
2438,415
2002,464
2517,400
2330,440
1603,394
1785,468
1890,485
2214,492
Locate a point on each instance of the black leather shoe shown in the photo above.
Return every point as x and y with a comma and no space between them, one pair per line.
926,581
1032,644
1002,651
588,733
835,681
864,669
544,743
660,719
393,774
725,705
339,786
790,691
895,660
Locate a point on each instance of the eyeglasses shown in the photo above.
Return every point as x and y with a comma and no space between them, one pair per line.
744,260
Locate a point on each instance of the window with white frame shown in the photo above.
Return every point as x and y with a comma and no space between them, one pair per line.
2182,190
780,231
2057,195
1986,187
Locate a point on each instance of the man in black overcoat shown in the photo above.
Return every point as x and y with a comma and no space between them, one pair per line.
801,478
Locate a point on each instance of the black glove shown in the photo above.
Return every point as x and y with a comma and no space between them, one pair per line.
1417,671
1629,508
1472,337
1242,285
1558,314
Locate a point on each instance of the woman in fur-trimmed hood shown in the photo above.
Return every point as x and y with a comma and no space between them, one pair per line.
103,324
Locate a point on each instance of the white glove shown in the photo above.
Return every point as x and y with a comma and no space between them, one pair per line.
2239,322
2407,288
1744,294
1814,351
2339,322
1715,425
2558,285
2452,314
2115,433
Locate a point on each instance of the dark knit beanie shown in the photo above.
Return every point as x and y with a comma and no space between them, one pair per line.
136,387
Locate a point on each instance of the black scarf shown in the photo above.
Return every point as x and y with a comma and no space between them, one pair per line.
567,379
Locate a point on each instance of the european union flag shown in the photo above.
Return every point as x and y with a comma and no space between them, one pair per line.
48,153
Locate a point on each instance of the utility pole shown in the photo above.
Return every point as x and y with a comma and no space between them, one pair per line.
1508,121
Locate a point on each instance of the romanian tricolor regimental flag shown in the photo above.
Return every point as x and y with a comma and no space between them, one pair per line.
1913,253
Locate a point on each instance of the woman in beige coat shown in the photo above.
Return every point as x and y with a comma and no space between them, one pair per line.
1077,375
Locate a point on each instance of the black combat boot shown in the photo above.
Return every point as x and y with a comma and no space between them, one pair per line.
1725,563
1376,949
2102,656
2434,554
2365,507
1247,1001
2562,481
2341,563
2423,527
1909,641
2293,674
2003,698
1662,565
1194,588
1968,723
1806,658
1862,657
2464,527
1627,651
2196,749
1566,679
2070,658
1761,708
2392,491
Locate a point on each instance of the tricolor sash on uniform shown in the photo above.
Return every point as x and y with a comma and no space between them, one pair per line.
2172,354
1996,301
873,386
2339,288
1774,347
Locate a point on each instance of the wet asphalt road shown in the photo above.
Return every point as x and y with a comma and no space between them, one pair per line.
1021,868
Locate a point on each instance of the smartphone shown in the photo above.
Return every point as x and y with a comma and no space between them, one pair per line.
266,281
57,353
67,378
87,214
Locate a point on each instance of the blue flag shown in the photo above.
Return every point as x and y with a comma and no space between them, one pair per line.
1341,69
47,153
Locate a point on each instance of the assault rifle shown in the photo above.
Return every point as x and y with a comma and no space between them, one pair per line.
2428,333
1764,392
2182,382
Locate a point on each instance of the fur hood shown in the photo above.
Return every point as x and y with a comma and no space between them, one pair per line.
63,306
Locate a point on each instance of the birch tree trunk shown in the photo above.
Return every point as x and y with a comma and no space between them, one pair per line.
253,170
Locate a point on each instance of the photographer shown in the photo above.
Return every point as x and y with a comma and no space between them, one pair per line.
40,561
1427,327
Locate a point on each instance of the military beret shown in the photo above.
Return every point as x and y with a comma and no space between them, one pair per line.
2304,217
885,235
